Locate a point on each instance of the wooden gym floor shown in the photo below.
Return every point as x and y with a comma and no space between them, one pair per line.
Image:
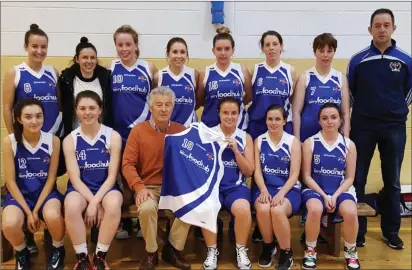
127,254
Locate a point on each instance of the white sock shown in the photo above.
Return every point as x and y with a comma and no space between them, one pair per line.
58,244
212,246
21,247
82,248
349,246
239,246
311,244
102,248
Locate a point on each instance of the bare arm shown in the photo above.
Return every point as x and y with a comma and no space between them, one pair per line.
294,80
200,91
51,176
248,86
73,169
295,164
307,168
156,79
345,107
9,90
298,102
114,165
10,175
349,172
245,162
153,71
258,176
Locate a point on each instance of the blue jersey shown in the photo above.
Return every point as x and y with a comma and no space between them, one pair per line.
130,86
271,86
232,177
93,157
218,85
41,86
329,162
32,164
319,90
183,86
192,193
275,160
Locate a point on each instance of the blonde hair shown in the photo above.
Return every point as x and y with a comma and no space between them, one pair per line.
223,29
223,33
127,29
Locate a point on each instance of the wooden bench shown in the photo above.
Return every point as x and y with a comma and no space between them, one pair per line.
332,233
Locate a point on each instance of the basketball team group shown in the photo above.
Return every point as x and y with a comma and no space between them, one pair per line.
306,141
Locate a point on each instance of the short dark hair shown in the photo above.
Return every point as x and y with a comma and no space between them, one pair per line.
17,110
325,39
89,94
382,11
270,33
228,100
276,107
84,44
34,30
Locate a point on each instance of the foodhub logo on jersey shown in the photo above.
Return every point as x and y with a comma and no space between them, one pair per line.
198,163
135,88
99,165
275,92
322,101
230,163
41,174
333,172
46,98
230,94
184,100
275,171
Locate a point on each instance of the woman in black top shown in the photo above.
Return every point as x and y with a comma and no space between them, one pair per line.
84,74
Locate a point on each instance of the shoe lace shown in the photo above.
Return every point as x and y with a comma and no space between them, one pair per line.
211,257
310,254
55,255
21,258
242,256
352,255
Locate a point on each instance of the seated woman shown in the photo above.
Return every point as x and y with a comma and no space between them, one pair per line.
92,153
277,192
234,194
329,162
31,158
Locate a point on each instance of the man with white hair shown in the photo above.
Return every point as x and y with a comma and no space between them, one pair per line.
142,167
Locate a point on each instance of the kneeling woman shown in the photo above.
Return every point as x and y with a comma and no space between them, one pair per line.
277,195
329,162
233,192
31,158
92,153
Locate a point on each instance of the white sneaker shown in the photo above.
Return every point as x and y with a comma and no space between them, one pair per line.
243,261
212,259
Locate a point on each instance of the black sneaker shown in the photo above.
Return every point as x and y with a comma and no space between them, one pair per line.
83,262
285,261
23,259
393,241
265,258
351,258
256,236
56,260
31,244
99,261
360,241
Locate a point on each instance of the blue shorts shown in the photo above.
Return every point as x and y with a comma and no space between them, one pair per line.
257,128
293,196
228,197
94,191
31,202
308,194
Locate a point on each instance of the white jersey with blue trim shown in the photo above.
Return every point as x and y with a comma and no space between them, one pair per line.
319,90
219,84
329,163
131,87
93,156
183,85
41,86
275,160
192,172
32,163
232,177
271,86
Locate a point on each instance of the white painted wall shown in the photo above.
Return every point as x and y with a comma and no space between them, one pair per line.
157,22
